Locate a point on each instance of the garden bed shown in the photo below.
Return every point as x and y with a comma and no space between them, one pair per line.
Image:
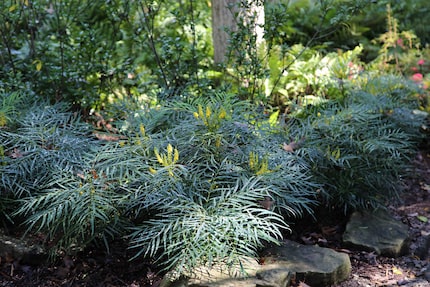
94,267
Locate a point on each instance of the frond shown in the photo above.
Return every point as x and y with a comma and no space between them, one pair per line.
74,210
229,226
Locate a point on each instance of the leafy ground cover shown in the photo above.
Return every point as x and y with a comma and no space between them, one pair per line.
94,267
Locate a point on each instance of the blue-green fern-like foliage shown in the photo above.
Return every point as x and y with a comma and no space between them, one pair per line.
171,179
360,148
206,205
46,139
49,177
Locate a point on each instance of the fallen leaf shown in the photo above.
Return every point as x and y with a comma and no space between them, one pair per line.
291,147
94,174
266,203
108,137
343,250
322,241
422,218
16,153
397,271
307,240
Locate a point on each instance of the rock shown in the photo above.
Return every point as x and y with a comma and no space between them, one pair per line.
377,231
413,283
21,250
313,265
217,276
427,273
273,276
247,268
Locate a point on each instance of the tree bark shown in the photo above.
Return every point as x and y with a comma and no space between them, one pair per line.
225,16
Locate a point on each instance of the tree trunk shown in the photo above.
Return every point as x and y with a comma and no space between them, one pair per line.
225,16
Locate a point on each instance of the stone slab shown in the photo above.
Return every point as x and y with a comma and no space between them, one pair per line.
314,265
377,231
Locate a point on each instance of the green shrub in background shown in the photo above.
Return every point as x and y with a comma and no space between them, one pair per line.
311,77
90,53
361,148
10,104
346,24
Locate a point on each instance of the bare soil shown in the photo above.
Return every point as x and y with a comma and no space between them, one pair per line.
96,267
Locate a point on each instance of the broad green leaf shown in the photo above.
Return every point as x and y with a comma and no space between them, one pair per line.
12,8
273,119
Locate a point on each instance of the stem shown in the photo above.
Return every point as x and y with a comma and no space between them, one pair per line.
9,51
59,12
314,36
149,30
32,29
194,44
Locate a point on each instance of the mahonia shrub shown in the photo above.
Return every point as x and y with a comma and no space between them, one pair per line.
50,178
45,138
360,148
191,182
11,105
214,183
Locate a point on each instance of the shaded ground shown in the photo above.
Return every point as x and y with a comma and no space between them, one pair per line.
95,267
369,269
414,210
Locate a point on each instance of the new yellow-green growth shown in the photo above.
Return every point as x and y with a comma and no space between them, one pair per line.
2,156
3,119
211,118
333,153
140,136
257,165
166,159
